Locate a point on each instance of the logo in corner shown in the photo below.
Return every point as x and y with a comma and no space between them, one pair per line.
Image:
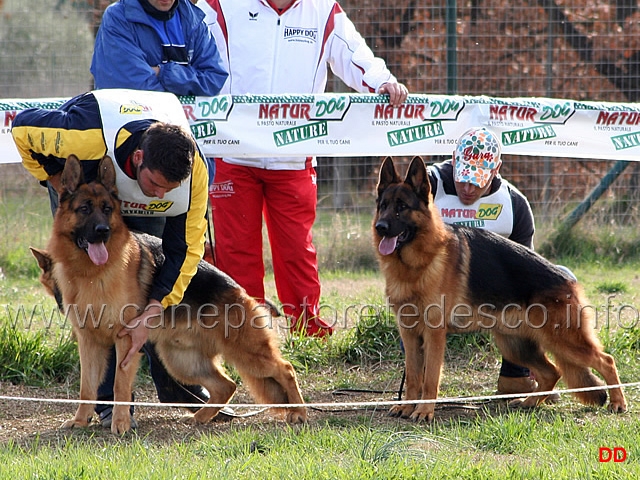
253,16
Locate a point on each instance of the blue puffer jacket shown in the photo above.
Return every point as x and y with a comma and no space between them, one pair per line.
127,47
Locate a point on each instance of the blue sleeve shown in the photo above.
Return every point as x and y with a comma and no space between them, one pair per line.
205,74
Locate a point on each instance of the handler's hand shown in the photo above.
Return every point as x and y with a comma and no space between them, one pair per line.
137,329
397,92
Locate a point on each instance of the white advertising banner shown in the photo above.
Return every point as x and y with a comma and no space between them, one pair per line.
343,124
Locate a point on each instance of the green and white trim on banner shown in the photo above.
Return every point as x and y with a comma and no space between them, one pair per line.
342,124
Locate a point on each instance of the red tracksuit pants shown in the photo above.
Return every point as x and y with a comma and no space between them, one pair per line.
240,196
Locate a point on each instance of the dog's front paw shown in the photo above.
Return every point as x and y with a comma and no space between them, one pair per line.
122,426
296,415
74,423
423,413
402,411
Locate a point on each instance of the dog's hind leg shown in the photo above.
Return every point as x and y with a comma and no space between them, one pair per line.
528,353
255,354
578,376
578,350
221,388
576,364
606,366
93,362
192,363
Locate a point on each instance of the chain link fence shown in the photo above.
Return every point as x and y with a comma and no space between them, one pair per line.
574,49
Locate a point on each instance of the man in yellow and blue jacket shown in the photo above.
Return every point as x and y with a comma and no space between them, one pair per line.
159,173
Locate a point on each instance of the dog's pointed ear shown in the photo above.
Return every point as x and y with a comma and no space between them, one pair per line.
107,175
44,259
388,175
72,175
417,178
45,262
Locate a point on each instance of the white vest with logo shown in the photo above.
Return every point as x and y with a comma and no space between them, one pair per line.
119,107
493,212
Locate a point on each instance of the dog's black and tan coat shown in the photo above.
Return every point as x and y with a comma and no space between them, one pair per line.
449,279
96,264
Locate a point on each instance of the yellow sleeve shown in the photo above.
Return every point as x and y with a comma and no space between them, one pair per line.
45,146
194,233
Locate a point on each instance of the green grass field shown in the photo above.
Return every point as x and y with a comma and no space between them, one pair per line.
360,363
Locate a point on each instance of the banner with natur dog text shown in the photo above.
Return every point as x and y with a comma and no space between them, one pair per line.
343,124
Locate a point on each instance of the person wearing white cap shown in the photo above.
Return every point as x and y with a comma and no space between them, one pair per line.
468,190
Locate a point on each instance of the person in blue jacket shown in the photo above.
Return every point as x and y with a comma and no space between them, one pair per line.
157,45
160,45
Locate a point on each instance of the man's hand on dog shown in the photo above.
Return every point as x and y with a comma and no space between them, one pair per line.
136,328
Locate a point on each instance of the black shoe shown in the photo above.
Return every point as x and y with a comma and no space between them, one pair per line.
226,414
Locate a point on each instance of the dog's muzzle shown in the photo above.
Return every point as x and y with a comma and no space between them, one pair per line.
95,246
389,241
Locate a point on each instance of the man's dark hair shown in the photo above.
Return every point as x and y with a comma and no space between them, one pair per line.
168,149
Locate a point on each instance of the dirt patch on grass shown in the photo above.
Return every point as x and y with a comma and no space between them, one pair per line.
26,422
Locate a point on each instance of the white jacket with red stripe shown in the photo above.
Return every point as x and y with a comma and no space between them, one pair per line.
269,52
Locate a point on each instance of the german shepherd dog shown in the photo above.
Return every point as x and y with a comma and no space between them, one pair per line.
97,265
450,279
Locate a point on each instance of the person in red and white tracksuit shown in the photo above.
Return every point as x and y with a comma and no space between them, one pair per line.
272,47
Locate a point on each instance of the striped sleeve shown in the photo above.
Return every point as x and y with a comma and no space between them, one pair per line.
45,138
349,55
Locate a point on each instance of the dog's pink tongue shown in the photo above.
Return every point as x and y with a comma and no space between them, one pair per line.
98,253
387,245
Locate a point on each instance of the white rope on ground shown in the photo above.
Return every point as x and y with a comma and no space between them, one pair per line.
325,404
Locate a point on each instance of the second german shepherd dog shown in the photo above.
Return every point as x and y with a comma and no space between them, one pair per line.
216,319
449,279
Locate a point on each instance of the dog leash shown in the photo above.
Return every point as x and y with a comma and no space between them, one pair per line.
350,391
404,377
210,233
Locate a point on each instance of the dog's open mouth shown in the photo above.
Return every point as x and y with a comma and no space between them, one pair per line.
388,245
97,251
